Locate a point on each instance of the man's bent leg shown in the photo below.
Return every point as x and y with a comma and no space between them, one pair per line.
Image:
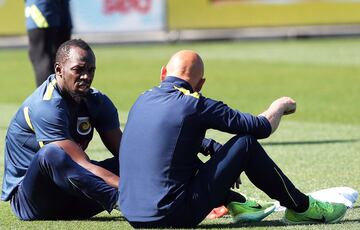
269,178
52,181
210,187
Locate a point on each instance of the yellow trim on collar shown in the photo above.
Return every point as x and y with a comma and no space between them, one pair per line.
187,92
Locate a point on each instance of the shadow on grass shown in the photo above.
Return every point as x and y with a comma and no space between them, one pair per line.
317,142
355,221
107,218
95,219
264,223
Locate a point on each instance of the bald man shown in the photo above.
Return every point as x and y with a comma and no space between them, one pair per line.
164,133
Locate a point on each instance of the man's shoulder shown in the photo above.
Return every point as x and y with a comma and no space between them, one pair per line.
95,92
98,102
47,95
95,96
39,103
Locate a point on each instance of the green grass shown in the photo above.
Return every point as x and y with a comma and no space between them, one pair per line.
317,147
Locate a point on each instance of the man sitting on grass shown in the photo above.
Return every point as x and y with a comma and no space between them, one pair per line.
163,135
48,175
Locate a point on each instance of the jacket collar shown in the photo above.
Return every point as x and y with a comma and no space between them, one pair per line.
178,82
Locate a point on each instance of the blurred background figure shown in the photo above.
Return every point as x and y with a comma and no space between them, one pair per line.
48,24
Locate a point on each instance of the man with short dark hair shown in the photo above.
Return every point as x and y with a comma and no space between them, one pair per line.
164,133
47,174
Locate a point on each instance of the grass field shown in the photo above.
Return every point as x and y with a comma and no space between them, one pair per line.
318,147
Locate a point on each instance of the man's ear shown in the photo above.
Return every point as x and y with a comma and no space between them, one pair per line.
199,85
58,69
163,73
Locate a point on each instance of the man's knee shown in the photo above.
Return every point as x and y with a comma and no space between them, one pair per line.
246,140
242,147
51,155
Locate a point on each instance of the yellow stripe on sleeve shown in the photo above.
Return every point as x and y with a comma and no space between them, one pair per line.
49,90
38,17
27,118
28,122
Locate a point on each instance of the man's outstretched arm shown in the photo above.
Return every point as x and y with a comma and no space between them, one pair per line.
281,106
